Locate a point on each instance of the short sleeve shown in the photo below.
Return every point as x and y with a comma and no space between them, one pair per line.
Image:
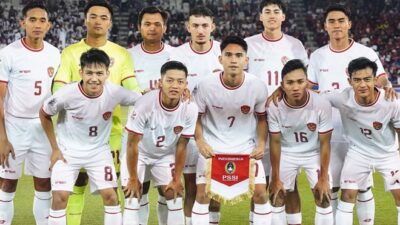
396,114
5,67
273,120
191,118
259,108
199,98
137,119
55,103
325,117
312,69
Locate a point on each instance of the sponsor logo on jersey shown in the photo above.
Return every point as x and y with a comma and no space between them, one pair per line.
259,60
216,70
50,71
178,129
77,117
323,70
312,126
245,109
284,59
24,71
217,107
192,74
107,115
230,167
377,125
52,102
133,115
139,71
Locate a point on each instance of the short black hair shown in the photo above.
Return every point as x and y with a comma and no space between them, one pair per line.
279,3
201,11
292,65
173,65
337,7
94,56
361,63
153,10
101,3
34,5
233,40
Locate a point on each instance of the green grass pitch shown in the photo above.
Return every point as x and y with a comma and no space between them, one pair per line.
231,215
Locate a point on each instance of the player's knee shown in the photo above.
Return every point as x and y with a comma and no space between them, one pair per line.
202,198
348,195
8,185
60,199
214,206
110,197
42,184
260,196
279,200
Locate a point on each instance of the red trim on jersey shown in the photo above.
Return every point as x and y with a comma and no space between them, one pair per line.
201,53
87,96
152,52
29,48
278,132
381,75
340,51
165,108
60,81
312,82
227,87
4,81
372,103
297,107
130,76
133,132
325,132
271,40
201,113
261,113
187,135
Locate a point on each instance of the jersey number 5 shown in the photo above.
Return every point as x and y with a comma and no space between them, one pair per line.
38,87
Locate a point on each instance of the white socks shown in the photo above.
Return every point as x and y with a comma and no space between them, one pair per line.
334,202
262,214
214,217
112,215
278,216
175,212
162,210
398,215
365,208
294,219
344,213
41,207
144,210
131,212
57,217
200,214
6,207
324,216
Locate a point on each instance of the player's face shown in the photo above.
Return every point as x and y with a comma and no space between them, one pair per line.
152,27
173,83
98,21
200,29
234,59
337,24
93,77
294,85
363,82
272,17
36,23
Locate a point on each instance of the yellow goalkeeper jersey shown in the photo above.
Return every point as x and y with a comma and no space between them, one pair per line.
121,71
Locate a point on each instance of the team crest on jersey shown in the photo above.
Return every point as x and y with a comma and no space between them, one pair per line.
230,167
312,126
284,60
377,125
178,129
107,115
245,109
50,71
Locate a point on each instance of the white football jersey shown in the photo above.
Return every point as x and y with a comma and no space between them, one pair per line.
29,74
267,57
84,123
328,68
148,64
228,114
300,126
199,64
369,129
161,127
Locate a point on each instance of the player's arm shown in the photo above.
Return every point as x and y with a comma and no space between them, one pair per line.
202,145
133,188
180,156
5,146
258,152
276,185
128,79
322,189
47,124
383,82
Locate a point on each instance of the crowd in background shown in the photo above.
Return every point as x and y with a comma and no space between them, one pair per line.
376,23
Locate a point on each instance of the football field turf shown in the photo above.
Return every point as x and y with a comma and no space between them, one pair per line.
231,215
